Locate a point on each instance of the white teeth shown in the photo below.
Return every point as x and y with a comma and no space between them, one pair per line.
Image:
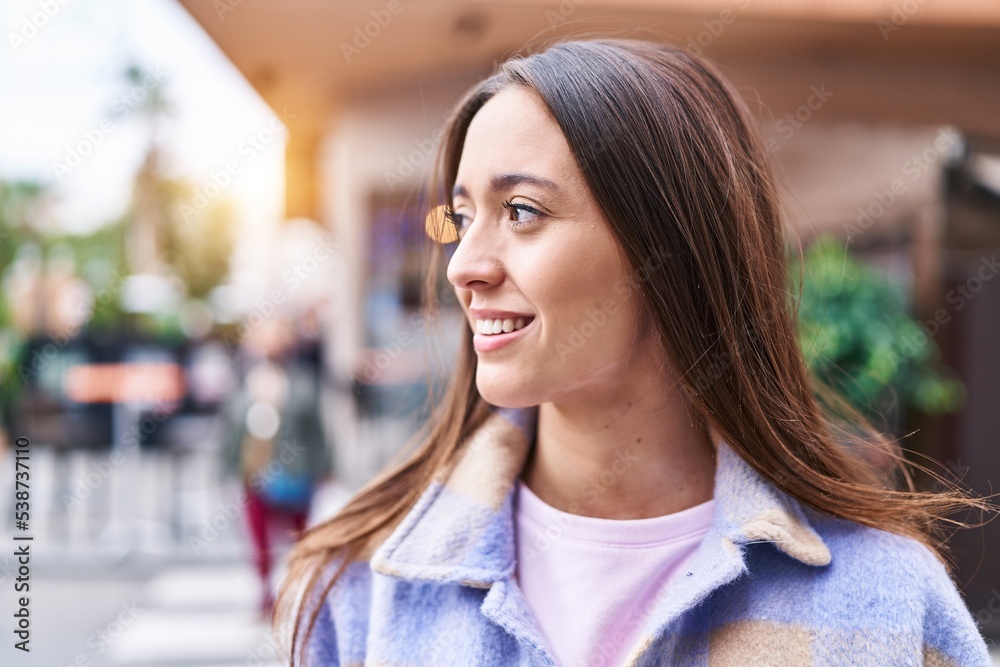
494,326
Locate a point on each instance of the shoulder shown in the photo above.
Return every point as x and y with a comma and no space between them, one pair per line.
863,548
898,583
871,555
865,565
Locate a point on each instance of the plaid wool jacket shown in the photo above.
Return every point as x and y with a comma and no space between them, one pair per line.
773,583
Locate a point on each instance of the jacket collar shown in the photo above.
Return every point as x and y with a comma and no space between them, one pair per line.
461,530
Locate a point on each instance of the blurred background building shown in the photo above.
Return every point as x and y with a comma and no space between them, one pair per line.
274,157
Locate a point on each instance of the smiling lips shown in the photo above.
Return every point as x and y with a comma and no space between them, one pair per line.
492,333
490,327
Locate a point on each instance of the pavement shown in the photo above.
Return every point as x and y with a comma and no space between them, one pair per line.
152,569
179,615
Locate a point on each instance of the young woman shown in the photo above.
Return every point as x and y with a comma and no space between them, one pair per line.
631,465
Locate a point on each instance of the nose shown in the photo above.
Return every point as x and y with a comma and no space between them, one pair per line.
475,263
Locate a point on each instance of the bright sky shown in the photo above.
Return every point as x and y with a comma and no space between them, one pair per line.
59,82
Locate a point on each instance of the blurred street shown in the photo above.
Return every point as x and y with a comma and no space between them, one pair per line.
129,591
147,614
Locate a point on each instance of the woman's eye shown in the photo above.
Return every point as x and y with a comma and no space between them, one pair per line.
456,219
521,214
518,215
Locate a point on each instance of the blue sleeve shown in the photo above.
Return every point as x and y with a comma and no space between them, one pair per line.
321,644
951,636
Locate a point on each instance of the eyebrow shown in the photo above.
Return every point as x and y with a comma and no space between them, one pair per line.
500,182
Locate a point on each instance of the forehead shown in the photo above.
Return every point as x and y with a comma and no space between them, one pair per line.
514,131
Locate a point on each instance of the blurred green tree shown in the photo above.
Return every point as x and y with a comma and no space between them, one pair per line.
857,336
172,226
19,203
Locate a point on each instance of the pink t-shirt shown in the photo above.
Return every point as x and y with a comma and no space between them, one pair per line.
591,583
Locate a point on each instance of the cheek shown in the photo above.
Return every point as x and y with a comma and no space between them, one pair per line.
558,284
586,305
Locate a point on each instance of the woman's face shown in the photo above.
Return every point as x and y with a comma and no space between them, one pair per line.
536,250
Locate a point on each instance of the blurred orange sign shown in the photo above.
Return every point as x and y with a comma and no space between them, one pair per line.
121,383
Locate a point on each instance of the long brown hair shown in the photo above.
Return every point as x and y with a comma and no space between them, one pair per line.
672,156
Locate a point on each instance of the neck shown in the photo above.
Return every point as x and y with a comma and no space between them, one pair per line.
635,451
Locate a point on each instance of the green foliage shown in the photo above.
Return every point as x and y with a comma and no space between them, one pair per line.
18,202
196,242
856,335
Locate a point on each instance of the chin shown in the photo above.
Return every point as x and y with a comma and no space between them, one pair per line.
504,394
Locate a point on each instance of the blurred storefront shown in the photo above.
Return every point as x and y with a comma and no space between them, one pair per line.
881,116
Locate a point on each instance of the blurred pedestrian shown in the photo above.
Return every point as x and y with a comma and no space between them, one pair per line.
276,441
